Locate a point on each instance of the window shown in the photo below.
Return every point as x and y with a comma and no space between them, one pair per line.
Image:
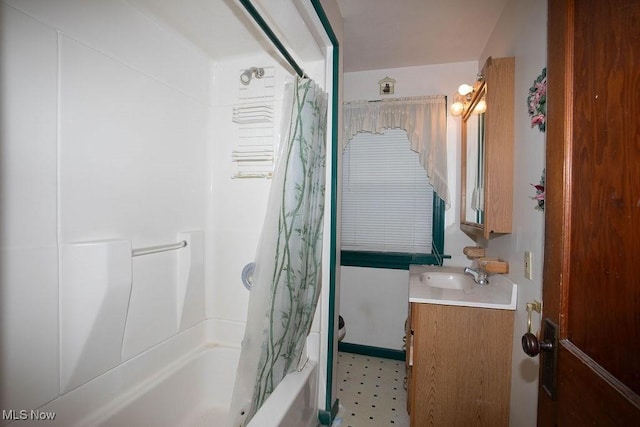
388,205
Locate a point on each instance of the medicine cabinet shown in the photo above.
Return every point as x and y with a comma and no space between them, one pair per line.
486,195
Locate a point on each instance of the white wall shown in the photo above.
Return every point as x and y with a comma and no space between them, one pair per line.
370,318
521,32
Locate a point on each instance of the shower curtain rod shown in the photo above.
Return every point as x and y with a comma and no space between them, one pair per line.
271,35
161,248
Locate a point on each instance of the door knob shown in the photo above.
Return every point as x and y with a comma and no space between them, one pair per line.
530,343
532,346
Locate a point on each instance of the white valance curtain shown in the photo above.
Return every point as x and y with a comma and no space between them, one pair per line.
424,118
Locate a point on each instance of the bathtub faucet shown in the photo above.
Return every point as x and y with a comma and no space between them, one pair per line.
479,275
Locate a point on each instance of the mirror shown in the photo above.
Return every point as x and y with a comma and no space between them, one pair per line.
486,191
473,158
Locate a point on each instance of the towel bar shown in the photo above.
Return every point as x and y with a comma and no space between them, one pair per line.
161,248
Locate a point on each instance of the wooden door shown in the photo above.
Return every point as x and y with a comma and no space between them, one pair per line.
591,284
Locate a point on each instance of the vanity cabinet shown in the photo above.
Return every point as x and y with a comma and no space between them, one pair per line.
458,365
486,194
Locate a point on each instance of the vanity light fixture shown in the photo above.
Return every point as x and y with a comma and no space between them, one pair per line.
463,98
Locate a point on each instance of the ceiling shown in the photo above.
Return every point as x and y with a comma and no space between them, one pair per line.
222,29
403,33
219,28
377,33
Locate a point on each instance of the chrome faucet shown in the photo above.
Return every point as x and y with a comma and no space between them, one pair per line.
479,275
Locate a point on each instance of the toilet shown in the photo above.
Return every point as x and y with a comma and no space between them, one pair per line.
342,329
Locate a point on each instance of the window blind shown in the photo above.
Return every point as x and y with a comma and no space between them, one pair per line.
387,201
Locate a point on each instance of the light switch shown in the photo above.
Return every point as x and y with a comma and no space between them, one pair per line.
528,267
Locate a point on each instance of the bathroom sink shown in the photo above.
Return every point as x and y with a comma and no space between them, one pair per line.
451,286
446,280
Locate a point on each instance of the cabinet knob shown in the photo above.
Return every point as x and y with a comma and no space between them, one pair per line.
532,346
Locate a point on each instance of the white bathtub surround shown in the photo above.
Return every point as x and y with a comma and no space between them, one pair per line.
131,145
28,248
287,278
190,280
95,285
117,126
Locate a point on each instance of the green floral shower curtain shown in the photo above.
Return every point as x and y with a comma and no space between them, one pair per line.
286,280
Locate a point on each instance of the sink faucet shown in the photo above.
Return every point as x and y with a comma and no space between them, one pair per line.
479,275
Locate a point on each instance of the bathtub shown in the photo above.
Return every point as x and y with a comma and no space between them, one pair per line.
193,389
197,392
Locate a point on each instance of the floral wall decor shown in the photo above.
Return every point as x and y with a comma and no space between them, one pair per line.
540,192
537,101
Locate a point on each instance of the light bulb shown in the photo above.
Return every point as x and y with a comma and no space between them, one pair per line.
465,89
456,108
481,107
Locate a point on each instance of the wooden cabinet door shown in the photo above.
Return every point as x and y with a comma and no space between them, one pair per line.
461,372
591,284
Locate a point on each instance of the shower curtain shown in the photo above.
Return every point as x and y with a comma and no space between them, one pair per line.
286,280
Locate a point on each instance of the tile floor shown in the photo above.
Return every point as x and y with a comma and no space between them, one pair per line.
371,392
